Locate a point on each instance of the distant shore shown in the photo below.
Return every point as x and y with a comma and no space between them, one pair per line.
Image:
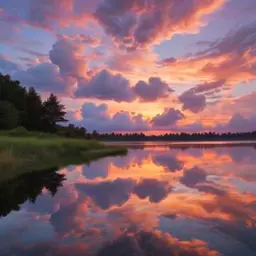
182,144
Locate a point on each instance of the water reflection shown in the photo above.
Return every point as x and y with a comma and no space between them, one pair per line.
27,188
159,200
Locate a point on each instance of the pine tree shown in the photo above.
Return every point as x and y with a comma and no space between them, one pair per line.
53,113
34,110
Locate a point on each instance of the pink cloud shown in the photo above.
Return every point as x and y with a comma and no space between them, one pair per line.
167,119
140,23
106,86
7,65
45,77
152,90
192,101
96,117
156,243
195,98
68,54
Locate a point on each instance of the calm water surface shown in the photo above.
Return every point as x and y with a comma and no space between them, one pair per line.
157,200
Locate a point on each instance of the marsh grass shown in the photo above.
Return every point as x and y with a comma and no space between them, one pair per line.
19,155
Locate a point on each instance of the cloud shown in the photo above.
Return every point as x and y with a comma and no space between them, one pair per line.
193,176
237,41
155,243
231,58
140,23
106,86
6,65
116,193
170,117
153,90
169,161
49,14
152,188
210,188
108,193
8,28
238,123
195,98
68,218
97,169
68,54
168,61
137,62
45,77
96,117
193,102
208,87
236,54
90,40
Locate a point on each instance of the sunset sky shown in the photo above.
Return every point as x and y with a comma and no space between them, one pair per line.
137,65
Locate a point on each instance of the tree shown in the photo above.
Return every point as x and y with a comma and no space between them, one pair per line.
95,134
9,115
34,109
53,113
14,93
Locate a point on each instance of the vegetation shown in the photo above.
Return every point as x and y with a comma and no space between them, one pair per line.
21,107
19,155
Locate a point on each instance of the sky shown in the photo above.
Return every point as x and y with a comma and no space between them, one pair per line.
152,66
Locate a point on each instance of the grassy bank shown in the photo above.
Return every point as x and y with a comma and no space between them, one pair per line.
19,155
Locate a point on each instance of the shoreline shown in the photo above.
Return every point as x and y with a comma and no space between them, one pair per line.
20,155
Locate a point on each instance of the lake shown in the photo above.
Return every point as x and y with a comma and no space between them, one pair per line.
160,199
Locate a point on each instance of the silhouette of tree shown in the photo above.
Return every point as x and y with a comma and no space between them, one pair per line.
53,113
34,110
28,187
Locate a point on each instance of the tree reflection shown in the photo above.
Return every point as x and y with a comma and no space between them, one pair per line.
15,192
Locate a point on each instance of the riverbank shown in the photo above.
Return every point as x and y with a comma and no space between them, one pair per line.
19,155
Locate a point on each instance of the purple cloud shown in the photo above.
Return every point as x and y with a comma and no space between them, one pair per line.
238,49
168,61
139,23
238,123
170,117
192,101
236,41
208,87
192,177
44,77
106,86
6,65
49,13
108,193
153,90
154,189
96,117
68,55
170,162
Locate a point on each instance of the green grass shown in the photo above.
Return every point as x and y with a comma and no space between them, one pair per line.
19,155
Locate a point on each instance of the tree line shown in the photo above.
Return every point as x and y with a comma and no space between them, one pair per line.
204,136
22,107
